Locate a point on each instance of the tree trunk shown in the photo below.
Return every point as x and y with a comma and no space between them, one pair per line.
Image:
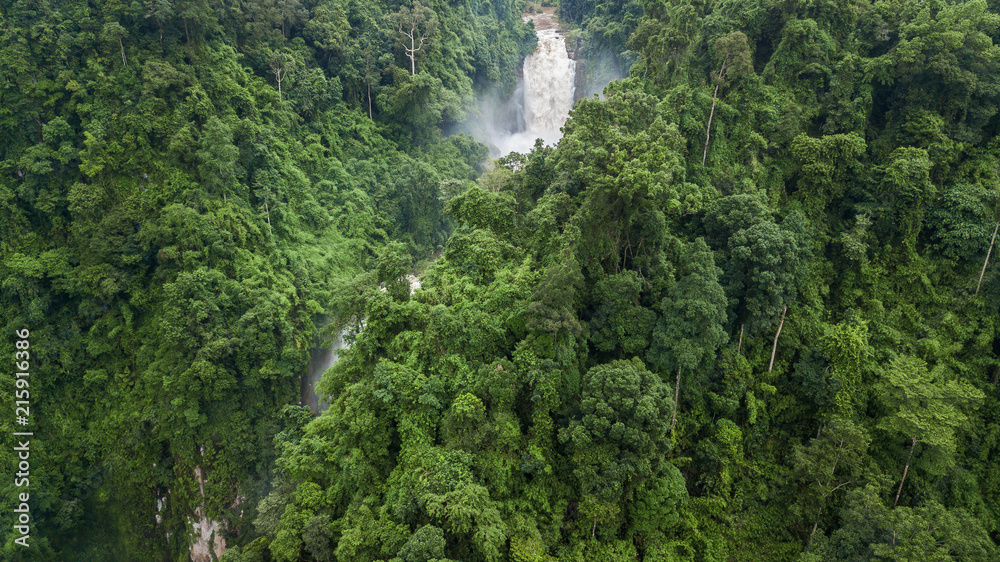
124,62
715,95
708,130
268,211
413,47
987,260
677,397
370,102
774,348
906,471
739,346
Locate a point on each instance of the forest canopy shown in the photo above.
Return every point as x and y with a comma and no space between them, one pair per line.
748,308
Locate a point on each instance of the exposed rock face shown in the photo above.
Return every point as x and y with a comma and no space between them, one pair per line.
208,533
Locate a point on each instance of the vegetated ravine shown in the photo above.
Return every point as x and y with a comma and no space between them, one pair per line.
537,109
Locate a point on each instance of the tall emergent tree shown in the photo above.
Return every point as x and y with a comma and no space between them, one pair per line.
416,25
694,311
925,408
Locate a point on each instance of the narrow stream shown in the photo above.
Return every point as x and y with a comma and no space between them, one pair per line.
321,359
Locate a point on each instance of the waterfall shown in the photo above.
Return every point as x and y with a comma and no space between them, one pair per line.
541,102
548,85
322,358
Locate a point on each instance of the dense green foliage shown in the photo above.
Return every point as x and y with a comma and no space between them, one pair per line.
182,183
740,312
808,294
599,38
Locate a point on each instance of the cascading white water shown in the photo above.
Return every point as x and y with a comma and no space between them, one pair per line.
543,99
